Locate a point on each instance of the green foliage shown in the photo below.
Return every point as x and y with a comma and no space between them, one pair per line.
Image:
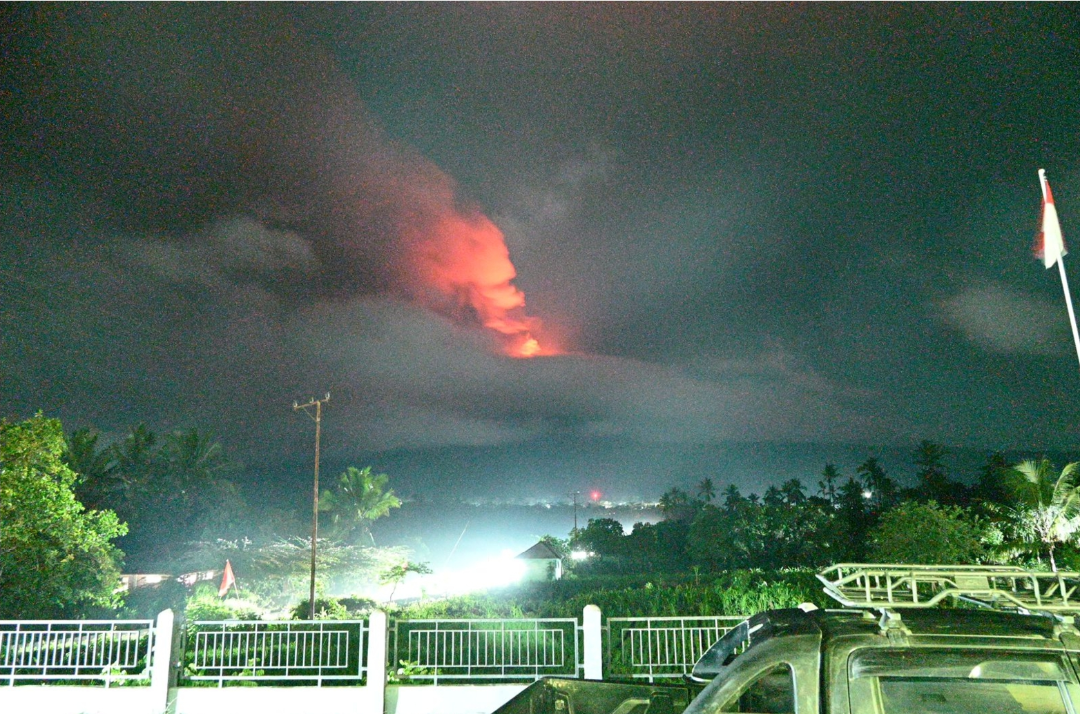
358,499
784,530
326,608
404,673
278,573
732,593
204,603
927,534
56,558
146,602
1048,505
396,574
170,490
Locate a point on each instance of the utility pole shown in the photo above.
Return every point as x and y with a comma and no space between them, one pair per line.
575,494
317,403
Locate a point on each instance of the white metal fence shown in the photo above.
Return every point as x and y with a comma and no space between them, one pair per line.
319,651
661,647
110,651
502,649
335,651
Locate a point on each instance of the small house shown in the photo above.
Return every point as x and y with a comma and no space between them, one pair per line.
541,563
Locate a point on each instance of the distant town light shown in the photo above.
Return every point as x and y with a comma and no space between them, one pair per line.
868,494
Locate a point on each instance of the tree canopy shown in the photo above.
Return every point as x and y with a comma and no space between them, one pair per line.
57,559
358,499
926,534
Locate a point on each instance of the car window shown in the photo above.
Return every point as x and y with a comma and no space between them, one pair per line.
884,681
771,693
965,696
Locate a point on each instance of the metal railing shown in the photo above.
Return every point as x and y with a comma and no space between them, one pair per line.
661,647
111,651
323,651
503,649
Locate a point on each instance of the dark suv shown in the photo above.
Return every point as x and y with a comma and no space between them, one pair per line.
928,639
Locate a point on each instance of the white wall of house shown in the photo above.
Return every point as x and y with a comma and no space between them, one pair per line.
455,699
411,699
276,700
56,699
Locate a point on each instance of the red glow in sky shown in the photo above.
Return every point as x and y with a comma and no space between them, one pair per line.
463,268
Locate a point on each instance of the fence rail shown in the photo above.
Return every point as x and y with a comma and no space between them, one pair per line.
324,651
335,651
110,651
661,647
503,649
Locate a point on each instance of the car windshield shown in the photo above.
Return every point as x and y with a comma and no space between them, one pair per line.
951,682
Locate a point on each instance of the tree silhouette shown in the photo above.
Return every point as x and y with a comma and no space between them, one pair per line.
829,483
358,499
706,491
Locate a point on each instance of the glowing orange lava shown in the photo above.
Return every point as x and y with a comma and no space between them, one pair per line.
460,266
529,348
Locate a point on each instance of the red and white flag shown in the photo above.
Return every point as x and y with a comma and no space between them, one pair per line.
228,580
1049,245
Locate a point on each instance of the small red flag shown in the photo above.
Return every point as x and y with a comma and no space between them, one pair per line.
1049,246
228,580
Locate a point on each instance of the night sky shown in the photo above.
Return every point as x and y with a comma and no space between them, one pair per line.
731,223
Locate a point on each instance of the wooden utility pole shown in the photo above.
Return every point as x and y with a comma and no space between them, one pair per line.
317,403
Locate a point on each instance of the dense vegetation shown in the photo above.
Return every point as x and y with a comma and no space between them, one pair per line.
56,558
1026,515
72,508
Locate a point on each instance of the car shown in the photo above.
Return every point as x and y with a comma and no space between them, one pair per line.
928,639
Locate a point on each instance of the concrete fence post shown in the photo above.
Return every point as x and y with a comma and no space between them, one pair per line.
376,663
162,671
591,641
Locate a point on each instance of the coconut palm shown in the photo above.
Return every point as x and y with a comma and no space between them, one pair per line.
97,485
1049,510
358,499
829,483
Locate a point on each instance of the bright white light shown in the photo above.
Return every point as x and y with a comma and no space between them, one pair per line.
579,555
867,494
492,573
151,579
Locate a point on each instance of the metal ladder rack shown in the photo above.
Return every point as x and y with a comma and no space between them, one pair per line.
888,586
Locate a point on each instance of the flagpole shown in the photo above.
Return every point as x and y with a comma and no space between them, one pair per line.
1068,304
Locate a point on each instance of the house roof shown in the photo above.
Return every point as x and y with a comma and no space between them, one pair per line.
540,551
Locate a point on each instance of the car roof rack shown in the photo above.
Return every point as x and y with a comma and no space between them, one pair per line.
893,587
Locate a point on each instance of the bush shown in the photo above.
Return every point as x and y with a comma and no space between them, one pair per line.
205,604
738,592
326,608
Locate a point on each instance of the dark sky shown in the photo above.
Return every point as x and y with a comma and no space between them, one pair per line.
736,222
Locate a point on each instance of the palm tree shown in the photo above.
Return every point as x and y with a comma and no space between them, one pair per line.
195,467
793,492
359,498
96,486
934,483
883,491
827,486
706,491
1050,507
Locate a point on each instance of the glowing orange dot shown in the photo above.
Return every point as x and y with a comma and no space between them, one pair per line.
529,348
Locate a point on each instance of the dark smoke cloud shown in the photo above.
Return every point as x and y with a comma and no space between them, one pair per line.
175,116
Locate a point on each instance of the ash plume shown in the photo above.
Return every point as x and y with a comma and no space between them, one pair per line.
169,117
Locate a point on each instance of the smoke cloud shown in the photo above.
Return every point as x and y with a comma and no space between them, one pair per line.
175,117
